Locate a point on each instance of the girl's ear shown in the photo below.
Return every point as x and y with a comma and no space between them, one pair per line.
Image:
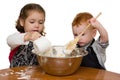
21,22
94,32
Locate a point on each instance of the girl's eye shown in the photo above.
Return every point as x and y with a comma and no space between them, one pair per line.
31,22
41,22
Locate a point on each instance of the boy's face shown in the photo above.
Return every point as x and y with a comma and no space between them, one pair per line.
86,37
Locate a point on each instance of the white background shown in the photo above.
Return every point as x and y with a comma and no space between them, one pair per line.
59,15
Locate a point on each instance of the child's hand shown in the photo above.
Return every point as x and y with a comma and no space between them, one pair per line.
31,36
95,23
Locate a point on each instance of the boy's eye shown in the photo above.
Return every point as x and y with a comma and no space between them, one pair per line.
83,34
75,34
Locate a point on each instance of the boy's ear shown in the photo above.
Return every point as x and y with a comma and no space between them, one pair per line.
21,22
94,32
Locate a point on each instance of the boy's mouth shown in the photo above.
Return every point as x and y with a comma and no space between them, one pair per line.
81,43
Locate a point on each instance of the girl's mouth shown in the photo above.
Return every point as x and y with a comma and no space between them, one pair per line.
35,30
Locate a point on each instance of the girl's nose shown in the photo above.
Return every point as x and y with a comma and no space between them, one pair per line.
37,25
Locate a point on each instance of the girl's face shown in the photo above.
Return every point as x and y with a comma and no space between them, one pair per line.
34,22
86,37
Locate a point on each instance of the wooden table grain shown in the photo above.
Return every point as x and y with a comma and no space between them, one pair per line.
36,73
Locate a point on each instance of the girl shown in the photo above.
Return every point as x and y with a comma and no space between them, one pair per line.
30,25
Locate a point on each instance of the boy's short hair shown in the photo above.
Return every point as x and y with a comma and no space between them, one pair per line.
81,17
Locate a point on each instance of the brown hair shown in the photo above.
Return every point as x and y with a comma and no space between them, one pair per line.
24,14
81,17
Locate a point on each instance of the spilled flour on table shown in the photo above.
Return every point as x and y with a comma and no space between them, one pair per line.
23,74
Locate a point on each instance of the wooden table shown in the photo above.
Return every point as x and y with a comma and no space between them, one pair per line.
36,73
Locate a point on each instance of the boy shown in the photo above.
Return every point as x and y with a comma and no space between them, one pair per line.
96,48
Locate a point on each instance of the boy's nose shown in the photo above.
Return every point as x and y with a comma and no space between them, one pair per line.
80,38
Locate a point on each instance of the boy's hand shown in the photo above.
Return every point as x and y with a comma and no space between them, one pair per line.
31,36
95,23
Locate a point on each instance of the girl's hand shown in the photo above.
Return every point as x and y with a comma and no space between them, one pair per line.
31,36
